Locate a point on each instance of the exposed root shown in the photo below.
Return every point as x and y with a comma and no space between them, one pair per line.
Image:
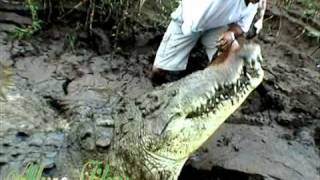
313,28
71,10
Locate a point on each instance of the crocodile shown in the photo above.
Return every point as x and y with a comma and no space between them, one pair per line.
155,134
152,135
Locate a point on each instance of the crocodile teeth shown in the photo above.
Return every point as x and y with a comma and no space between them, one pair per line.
238,83
216,86
208,101
202,108
248,76
203,101
237,98
208,96
221,96
212,90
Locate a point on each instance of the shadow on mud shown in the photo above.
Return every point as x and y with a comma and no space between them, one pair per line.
216,173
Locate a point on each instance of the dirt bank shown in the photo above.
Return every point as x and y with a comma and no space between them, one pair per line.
274,135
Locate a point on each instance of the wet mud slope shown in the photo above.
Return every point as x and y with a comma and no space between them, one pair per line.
274,135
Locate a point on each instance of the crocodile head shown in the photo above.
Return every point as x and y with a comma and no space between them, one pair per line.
174,120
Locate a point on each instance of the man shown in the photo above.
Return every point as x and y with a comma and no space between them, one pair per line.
216,23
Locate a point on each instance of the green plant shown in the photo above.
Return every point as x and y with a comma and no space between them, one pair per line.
312,7
71,40
95,170
36,25
31,172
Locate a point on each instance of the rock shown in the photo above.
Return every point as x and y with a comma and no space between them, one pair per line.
100,64
317,136
55,139
285,119
82,84
108,122
9,28
35,69
85,132
5,56
22,136
304,136
23,49
13,6
48,163
4,160
143,39
14,18
101,41
104,136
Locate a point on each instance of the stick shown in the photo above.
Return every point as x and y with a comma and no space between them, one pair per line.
74,8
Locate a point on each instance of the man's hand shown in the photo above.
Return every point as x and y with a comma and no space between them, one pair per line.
225,40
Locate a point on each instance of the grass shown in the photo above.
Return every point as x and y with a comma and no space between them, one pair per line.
31,172
71,40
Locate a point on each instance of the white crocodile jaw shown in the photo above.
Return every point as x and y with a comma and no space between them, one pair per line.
221,90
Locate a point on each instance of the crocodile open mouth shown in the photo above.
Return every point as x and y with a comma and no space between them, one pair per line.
227,92
230,92
200,104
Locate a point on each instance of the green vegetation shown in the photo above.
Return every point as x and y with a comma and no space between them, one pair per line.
70,41
31,172
121,18
93,170
27,32
311,8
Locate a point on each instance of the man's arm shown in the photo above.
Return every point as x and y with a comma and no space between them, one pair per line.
229,36
236,29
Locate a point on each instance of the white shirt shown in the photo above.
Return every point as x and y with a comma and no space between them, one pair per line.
201,15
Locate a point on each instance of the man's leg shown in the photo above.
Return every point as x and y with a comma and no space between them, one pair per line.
173,52
209,40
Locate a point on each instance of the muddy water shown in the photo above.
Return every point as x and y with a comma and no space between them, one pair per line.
274,135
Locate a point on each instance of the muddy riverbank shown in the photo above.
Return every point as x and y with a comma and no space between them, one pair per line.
274,135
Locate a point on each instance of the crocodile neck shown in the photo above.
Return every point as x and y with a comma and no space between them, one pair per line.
131,155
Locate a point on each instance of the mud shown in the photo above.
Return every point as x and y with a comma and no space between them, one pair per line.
274,135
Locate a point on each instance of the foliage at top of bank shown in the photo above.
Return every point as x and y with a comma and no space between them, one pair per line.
120,15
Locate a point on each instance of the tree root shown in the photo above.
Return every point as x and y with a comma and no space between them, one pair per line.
311,27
